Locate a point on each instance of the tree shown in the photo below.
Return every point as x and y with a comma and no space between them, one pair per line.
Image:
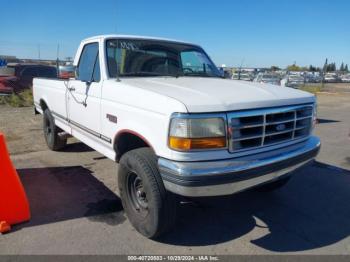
312,68
331,67
275,68
325,67
334,67
346,69
293,67
341,69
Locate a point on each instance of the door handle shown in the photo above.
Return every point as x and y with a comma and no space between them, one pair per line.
71,88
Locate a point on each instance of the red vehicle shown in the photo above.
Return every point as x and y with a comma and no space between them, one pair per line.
21,76
66,71
6,79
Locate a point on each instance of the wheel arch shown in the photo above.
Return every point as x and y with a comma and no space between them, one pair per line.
43,104
126,140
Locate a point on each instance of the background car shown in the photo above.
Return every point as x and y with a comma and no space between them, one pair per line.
246,77
268,78
345,78
243,75
293,81
6,79
23,74
313,77
331,78
235,76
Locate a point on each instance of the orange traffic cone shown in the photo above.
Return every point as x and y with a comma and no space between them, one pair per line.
14,207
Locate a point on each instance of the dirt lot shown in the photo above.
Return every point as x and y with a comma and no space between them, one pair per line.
337,87
76,210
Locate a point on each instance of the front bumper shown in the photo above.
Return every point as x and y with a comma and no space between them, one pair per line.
229,176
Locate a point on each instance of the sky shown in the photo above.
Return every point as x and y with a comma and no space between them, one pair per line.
254,33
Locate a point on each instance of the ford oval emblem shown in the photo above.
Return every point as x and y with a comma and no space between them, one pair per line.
280,127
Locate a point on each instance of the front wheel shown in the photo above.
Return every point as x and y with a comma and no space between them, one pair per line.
149,207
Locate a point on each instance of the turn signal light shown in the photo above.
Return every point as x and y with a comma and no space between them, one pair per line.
186,144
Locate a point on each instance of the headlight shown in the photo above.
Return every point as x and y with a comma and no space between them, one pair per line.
187,133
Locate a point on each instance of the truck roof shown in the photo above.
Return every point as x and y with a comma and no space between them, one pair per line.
99,37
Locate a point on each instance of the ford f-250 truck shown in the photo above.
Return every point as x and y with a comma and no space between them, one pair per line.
161,109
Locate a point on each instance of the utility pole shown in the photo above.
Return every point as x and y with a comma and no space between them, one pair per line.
57,60
324,70
240,69
58,51
39,52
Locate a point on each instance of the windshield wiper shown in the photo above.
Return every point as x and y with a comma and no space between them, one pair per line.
145,73
199,74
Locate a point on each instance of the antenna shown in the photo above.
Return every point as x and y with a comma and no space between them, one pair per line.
58,61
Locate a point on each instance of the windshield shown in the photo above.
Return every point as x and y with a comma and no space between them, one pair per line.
7,71
157,58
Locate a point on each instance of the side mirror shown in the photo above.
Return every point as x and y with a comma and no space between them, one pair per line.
67,72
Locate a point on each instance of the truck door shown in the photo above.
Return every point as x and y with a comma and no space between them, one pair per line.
84,97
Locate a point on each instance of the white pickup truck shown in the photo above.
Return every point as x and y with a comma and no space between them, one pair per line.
161,109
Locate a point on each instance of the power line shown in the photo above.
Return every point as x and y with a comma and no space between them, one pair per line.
58,51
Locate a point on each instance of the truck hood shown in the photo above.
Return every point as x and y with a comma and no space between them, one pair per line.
218,95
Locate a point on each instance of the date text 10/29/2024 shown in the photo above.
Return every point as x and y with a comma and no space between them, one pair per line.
173,258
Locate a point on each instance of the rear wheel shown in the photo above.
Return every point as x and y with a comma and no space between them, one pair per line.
53,140
273,185
149,207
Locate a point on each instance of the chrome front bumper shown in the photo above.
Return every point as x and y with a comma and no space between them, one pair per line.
229,176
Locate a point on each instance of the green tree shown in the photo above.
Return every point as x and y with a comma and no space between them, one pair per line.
312,68
275,68
346,69
341,69
331,67
325,67
293,67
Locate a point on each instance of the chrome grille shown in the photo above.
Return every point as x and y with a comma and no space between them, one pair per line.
258,128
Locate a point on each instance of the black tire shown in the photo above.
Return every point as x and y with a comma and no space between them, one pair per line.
148,206
53,141
273,185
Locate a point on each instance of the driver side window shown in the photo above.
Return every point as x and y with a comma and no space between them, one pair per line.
195,62
89,66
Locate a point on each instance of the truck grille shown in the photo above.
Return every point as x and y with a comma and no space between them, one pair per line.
258,128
